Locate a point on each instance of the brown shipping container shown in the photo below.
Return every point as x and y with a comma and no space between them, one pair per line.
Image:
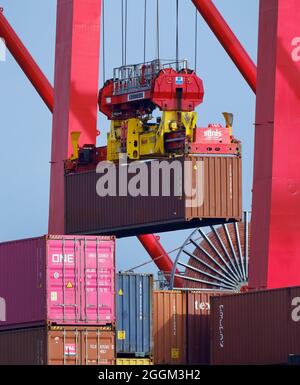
88,213
58,346
261,327
169,327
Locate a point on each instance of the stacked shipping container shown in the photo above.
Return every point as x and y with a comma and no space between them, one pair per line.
181,327
173,327
58,345
134,294
57,297
169,326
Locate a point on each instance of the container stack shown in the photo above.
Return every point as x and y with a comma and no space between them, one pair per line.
161,326
57,300
134,319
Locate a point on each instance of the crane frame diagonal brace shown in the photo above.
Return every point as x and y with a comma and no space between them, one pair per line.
275,241
228,40
26,62
43,87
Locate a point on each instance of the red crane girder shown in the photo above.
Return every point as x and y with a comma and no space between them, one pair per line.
229,41
275,241
26,62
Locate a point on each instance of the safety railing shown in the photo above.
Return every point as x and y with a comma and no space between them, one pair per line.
139,77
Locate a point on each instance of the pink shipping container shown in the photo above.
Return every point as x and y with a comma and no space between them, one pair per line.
53,279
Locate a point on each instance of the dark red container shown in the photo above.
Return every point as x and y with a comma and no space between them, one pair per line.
261,327
198,327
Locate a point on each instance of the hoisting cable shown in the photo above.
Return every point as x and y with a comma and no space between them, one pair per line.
157,30
126,14
103,41
145,29
177,43
196,39
122,26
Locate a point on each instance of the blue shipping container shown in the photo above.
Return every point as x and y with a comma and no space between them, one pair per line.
134,314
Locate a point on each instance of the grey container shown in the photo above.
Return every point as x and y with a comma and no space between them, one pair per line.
134,314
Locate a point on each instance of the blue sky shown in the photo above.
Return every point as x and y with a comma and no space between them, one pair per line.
25,122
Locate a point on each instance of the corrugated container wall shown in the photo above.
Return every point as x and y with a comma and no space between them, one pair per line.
182,327
57,279
218,199
260,327
198,326
134,314
58,346
169,327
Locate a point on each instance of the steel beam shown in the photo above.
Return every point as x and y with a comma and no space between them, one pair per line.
26,62
229,41
159,255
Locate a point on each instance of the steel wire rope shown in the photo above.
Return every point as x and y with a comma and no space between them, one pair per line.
145,29
126,17
177,38
122,30
103,40
196,38
157,29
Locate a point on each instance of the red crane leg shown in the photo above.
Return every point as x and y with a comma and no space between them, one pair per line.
76,91
26,62
275,241
228,40
159,255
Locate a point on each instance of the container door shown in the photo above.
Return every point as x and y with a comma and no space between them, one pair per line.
98,347
63,296
169,327
97,282
63,346
134,315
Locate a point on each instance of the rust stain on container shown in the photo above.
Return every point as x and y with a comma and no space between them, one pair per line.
58,346
220,187
169,327
261,327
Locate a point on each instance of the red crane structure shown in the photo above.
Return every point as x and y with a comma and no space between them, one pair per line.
275,242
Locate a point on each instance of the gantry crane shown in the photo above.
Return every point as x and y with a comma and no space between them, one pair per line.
275,242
